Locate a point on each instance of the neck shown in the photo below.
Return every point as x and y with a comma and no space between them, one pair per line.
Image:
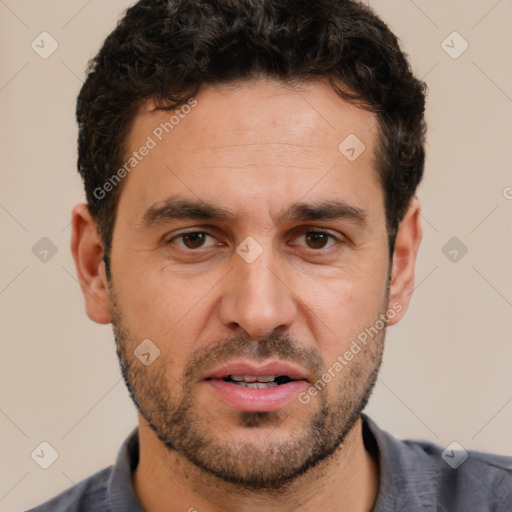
165,481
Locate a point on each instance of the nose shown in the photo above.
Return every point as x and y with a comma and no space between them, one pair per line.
257,297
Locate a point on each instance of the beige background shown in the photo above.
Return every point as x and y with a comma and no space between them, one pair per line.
446,374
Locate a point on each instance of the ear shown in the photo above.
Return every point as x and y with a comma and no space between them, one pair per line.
407,243
87,250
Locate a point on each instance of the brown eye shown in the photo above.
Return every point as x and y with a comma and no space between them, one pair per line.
317,239
193,240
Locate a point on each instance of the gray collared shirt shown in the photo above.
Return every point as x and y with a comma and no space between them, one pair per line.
414,476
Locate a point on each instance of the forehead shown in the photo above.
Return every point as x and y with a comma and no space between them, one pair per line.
269,111
258,137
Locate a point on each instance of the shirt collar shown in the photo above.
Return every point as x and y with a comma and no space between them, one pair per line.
120,491
406,477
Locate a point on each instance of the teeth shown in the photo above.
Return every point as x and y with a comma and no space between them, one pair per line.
270,378
249,379
256,385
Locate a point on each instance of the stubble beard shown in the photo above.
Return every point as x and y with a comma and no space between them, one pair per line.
169,407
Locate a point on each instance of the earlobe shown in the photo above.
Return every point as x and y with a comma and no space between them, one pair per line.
407,243
87,250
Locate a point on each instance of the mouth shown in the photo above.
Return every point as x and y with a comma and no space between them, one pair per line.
261,382
257,375
253,386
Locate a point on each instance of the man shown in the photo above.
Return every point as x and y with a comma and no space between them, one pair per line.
251,229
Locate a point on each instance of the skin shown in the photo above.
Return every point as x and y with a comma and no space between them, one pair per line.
254,148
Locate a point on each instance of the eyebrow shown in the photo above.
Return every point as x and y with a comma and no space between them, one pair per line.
179,208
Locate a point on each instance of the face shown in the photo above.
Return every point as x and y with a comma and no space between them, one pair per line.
252,253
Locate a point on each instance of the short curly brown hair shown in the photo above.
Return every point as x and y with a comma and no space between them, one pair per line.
165,49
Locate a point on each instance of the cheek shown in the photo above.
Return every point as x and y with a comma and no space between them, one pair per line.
341,309
164,307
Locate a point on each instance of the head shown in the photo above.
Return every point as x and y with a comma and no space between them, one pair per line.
250,169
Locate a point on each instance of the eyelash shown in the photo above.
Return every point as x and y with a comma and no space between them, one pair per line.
302,233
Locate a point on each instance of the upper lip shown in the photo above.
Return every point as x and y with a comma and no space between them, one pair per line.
258,369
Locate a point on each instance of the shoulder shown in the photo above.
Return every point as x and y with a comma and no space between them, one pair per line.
482,481
461,475
88,495
439,478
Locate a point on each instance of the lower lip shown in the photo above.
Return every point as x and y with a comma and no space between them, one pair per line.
268,399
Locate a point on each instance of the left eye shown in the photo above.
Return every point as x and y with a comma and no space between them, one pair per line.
196,239
318,239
